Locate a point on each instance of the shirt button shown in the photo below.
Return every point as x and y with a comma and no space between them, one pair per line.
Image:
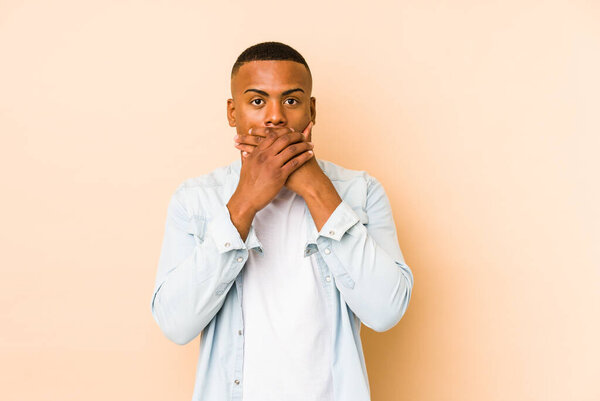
240,332
331,232
240,259
236,381
327,251
328,278
227,245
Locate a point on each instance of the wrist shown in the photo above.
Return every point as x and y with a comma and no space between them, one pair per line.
322,199
318,188
240,209
242,213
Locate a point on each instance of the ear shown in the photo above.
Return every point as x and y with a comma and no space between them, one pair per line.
313,110
231,112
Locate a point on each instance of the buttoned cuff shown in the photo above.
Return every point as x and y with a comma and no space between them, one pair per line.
226,235
342,218
252,241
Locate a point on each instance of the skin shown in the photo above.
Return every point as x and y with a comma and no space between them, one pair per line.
273,113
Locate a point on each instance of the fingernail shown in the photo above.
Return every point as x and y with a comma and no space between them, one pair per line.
310,143
250,131
245,153
235,138
237,143
292,129
310,152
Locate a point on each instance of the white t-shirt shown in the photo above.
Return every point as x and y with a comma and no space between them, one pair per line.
287,349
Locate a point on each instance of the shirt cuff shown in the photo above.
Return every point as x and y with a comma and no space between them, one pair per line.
342,218
226,235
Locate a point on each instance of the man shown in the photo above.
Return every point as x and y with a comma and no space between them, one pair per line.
277,258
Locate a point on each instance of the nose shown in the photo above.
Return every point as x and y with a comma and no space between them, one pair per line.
275,115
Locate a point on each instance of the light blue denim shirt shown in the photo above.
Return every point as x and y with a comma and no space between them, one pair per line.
198,285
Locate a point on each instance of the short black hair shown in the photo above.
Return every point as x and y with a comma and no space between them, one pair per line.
268,51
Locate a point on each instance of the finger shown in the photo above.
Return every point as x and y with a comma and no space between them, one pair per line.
262,131
284,141
247,148
271,135
292,151
248,139
307,131
294,163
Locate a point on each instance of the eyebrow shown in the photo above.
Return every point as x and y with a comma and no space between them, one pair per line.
287,92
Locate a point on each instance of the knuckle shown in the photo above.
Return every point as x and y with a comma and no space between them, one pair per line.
271,134
275,173
292,148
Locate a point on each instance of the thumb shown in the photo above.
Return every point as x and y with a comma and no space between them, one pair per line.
307,131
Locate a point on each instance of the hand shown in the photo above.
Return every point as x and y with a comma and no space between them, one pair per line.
308,175
277,153
247,143
300,179
308,180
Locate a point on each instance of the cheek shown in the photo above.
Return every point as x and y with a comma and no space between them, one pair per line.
247,119
299,119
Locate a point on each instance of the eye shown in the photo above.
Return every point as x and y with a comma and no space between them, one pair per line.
254,100
293,100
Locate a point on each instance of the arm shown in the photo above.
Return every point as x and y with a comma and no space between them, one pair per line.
366,260
196,269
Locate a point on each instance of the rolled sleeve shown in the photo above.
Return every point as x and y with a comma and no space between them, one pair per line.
195,275
226,235
342,218
367,264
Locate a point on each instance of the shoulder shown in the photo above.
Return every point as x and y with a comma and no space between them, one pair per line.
339,173
215,178
355,187
344,176
203,192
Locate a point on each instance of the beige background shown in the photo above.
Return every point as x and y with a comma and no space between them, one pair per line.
480,119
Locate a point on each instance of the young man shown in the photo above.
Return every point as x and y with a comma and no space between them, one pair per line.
277,258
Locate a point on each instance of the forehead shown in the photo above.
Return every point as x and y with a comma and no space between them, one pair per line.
276,75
